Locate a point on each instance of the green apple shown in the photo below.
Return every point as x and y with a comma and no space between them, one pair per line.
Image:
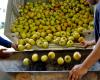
62,42
48,31
31,41
76,35
35,57
38,34
58,34
50,35
67,58
52,22
51,55
13,29
69,43
60,61
56,41
63,33
39,43
43,34
28,35
26,61
21,41
64,38
80,29
48,38
71,38
77,56
28,46
44,58
45,45
34,36
23,35
21,47
81,39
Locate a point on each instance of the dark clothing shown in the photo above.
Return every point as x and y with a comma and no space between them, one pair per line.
97,22
5,43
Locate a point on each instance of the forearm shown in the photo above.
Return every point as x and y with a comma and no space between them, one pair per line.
93,57
5,43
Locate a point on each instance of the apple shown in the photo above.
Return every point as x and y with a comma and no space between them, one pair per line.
56,41
71,38
39,43
50,35
76,35
62,42
31,41
81,39
53,29
38,34
44,40
28,35
58,27
26,61
48,38
60,61
13,29
76,56
58,34
69,43
44,58
34,36
45,45
43,34
21,47
63,33
28,46
51,55
23,35
21,41
35,57
63,28
64,38
52,22
67,58
80,29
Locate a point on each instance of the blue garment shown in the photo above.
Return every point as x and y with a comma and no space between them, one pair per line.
5,43
97,22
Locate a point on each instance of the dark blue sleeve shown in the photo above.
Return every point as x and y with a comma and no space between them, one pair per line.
96,24
5,43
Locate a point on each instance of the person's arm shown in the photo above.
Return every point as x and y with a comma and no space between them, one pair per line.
79,70
93,57
5,43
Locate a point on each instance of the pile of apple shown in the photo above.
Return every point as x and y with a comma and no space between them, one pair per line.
52,56
58,22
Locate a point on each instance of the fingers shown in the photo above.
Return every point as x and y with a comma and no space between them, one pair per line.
85,45
70,75
2,49
73,75
15,46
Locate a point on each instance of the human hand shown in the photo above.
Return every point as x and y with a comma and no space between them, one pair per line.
77,72
15,46
87,43
3,54
92,2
